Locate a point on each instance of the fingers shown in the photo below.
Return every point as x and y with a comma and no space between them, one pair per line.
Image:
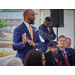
52,34
24,38
31,42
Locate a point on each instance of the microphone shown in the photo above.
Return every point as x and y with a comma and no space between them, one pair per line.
58,50
53,49
40,31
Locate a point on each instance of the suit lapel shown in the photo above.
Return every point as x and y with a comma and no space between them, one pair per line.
26,30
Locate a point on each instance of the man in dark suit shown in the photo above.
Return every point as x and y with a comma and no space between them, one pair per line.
46,27
69,59
24,37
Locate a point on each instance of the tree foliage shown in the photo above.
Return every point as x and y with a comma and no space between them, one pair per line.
10,10
2,23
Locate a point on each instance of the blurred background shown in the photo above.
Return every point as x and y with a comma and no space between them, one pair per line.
63,22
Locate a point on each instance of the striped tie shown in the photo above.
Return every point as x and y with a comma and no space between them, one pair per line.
31,32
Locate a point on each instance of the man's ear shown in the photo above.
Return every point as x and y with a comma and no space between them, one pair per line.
25,16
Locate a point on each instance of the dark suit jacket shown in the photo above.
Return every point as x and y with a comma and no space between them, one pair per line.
44,29
70,57
17,41
54,63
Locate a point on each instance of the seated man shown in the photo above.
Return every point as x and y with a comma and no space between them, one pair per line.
69,58
54,52
68,44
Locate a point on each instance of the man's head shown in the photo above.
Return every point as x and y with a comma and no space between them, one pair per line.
61,41
29,16
68,42
47,21
15,62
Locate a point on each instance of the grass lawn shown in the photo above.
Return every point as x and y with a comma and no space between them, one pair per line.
6,38
2,52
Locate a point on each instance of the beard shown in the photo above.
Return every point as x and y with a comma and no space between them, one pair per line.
30,21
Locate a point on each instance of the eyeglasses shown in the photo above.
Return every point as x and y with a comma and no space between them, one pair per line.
68,43
48,24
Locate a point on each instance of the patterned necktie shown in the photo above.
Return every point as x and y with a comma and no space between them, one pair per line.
60,63
65,58
31,32
48,30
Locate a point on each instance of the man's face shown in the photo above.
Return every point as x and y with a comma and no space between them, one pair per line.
62,42
68,43
47,24
31,17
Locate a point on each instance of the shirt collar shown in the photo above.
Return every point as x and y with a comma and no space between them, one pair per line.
61,48
26,24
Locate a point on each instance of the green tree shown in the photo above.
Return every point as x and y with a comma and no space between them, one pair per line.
2,23
10,10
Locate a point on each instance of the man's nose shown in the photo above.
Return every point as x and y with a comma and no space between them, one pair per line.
34,17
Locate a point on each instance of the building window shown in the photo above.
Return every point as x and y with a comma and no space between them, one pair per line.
8,20
14,20
8,26
18,21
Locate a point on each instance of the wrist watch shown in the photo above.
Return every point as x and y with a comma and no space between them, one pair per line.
36,45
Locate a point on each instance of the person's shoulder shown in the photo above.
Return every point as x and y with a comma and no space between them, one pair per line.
19,26
41,26
69,48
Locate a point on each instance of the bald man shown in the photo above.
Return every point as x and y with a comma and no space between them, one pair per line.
24,37
15,62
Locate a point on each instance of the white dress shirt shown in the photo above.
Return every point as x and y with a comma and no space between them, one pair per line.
27,26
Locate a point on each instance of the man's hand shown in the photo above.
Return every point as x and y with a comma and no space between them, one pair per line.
52,34
24,38
31,42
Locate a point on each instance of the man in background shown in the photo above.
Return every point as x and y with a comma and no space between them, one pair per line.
47,28
69,58
68,42
68,45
